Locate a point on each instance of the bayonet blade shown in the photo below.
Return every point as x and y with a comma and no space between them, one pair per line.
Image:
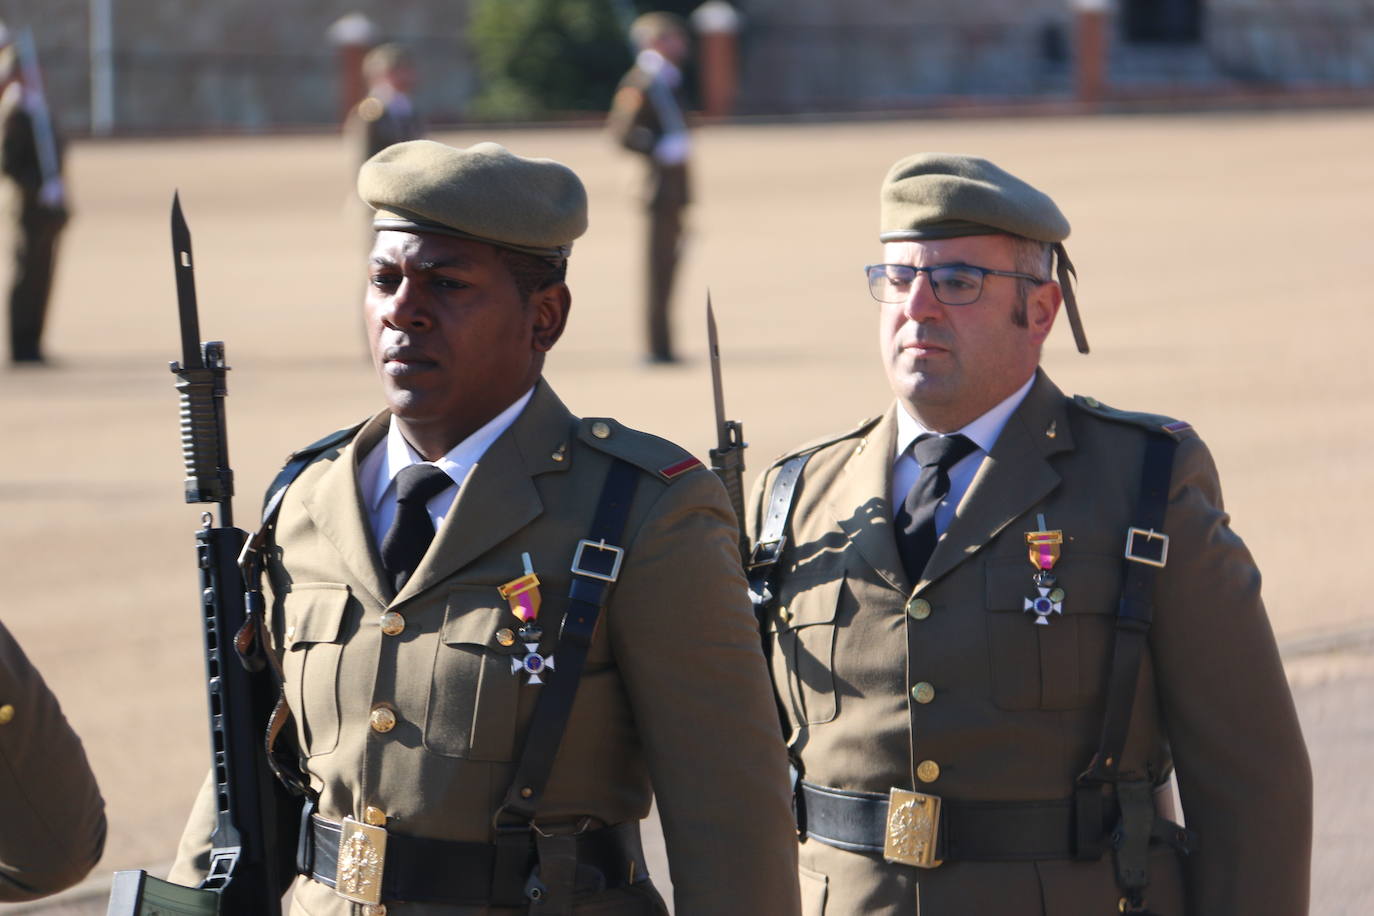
713,342
191,357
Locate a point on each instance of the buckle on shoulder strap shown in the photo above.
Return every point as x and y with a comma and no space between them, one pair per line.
913,829
766,553
605,564
1154,555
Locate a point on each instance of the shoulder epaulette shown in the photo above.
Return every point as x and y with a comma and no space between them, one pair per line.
665,460
1179,429
817,444
322,445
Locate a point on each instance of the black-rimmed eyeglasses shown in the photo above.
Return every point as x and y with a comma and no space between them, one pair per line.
952,284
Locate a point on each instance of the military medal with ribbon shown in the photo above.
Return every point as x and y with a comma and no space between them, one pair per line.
1044,547
523,595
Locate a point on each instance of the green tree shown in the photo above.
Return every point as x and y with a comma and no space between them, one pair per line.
537,57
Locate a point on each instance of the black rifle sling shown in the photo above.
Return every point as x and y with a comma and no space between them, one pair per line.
772,537
595,567
1146,553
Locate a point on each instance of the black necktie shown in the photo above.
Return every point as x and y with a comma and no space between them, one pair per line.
916,521
411,530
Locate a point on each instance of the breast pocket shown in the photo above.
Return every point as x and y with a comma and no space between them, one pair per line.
1063,663
474,695
313,614
804,660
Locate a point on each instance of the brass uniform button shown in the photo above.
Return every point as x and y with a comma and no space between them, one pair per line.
560,453
784,615
374,909
601,429
928,771
1056,595
1092,402
382,719
6,714
290,634
374,817
393,623
918,608
505,637
923,692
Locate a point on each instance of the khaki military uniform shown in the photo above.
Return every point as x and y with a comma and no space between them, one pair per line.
948,687
36,232
674,694
52,818
636,124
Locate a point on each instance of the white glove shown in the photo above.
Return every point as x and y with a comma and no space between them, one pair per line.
672,149
52,194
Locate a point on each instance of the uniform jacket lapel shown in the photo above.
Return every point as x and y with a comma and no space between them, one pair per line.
335,504
1013,478
499,497
869,526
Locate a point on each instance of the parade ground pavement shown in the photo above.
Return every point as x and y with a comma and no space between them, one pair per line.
1225,279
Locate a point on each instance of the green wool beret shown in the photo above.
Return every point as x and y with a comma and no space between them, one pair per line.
485,193
940,195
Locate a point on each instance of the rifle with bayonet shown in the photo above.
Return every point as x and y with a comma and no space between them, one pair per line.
254,816
727,458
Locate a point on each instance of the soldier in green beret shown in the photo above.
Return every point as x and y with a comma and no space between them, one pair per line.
1001,619
500,624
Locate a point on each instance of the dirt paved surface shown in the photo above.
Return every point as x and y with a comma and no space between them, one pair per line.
1224,278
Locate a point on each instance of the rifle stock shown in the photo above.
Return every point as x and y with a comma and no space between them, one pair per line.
248,869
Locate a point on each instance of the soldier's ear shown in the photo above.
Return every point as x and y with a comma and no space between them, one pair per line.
550,306
1042,305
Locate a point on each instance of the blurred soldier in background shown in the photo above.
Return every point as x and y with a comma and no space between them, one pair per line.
647,117
387,115
31,159
52,818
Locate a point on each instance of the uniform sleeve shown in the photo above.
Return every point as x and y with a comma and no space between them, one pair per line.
52,816
193,853
1242,767
684,637
632,122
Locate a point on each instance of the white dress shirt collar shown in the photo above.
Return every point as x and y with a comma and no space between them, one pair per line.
982,431
377,473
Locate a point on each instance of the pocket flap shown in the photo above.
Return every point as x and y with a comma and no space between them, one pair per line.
804,603
475,614
1091,584
315,612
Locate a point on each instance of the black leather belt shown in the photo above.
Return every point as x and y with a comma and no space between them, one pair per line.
421,870
968,831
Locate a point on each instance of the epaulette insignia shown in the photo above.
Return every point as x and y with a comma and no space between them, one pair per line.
1177,426
678,469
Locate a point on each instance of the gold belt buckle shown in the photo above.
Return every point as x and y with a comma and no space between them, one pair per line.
913,828
362,856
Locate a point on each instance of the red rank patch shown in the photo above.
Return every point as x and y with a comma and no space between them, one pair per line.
677,470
